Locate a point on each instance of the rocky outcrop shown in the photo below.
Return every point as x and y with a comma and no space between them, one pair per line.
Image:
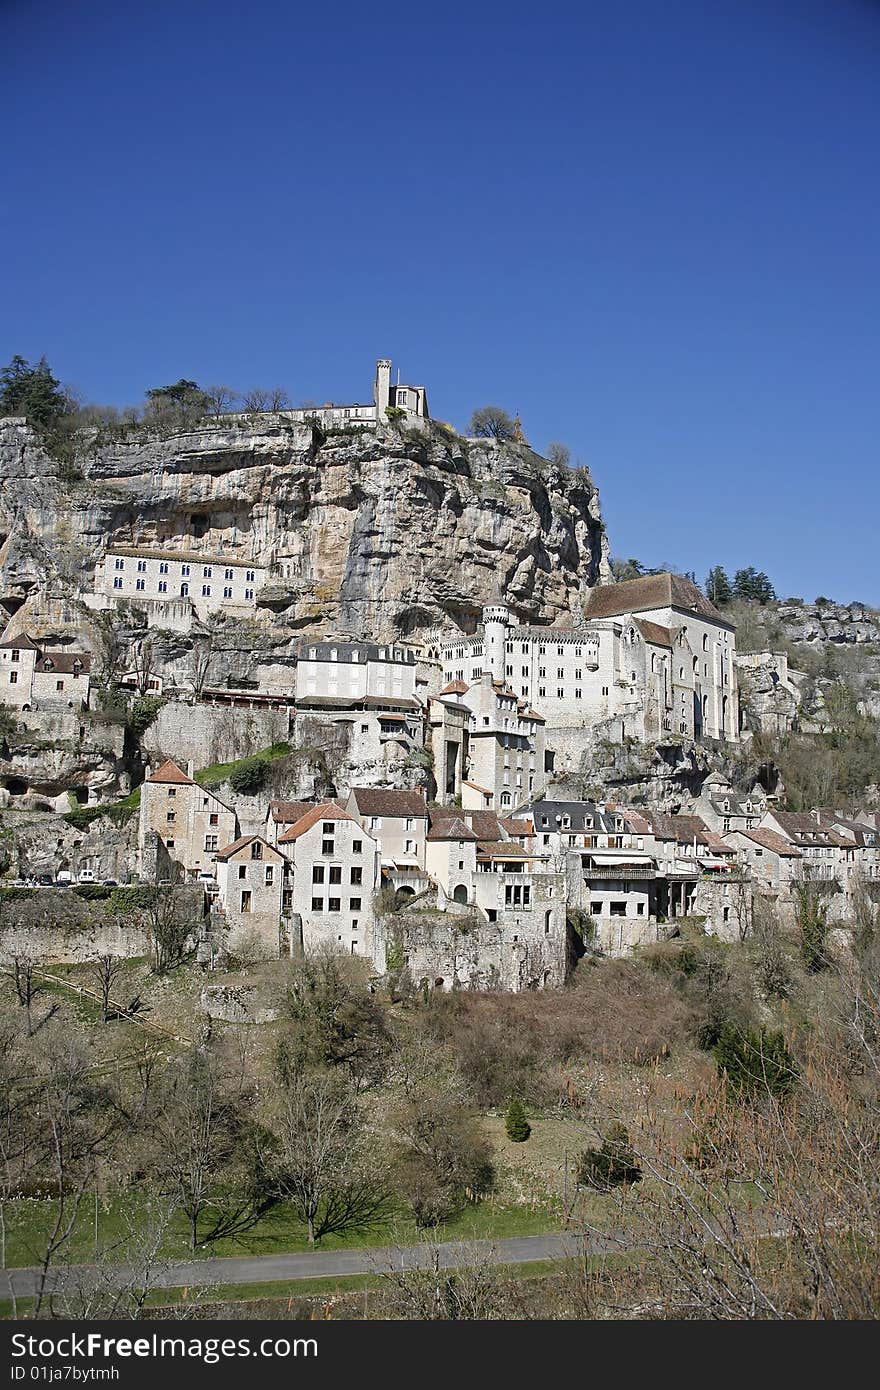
368,531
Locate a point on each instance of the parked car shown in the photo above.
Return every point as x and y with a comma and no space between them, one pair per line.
86,876
45,881
110,883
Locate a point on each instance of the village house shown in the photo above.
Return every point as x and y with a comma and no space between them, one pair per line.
34,677
773,860
192,823
251,883
335,872
866,838
723,809
398,820
281,815
827,855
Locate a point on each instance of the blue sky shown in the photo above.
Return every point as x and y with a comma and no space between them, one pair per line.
651,228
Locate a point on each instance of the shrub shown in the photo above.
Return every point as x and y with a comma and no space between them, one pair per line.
755,1062
249,776
142,712
516,1124
612,1165
812,919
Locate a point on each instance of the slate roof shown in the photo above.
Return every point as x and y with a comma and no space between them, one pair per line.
449,828
64,662
22,643
288,812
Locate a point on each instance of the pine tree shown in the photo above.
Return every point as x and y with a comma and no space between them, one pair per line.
718,587
518,1127
32,391
753,586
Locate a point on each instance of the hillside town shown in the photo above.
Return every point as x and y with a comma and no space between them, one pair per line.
439,814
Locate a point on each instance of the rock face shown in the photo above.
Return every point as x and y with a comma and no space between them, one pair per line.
366,531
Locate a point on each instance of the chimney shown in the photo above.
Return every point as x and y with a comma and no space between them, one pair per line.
190,767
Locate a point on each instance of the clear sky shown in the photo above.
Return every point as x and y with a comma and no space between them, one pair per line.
652,228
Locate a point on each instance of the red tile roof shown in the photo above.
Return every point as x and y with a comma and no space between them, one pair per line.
651,591
449,828
288,812
328,810
768,839
228,850
389,801
170,772
654,633
454,688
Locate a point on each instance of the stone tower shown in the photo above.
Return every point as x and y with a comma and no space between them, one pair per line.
497,618
382,387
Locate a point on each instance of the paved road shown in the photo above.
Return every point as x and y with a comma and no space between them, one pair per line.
318,1264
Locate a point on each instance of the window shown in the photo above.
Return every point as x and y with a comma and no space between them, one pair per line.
596,909
317,904
257,849
117,583
246,900
227,574
357,846
357,875
317,873
354,904
333,904
163,586
169,844
335,873
120,564
210,842
184,590
329,827
139,584
270,875
640,909
59,685
206,591
328,846
13,678
242,870
170,815
172,791
142,566
409,847
206,572
249,575
365,728
248,593
184,569
618,909
227,592
163,568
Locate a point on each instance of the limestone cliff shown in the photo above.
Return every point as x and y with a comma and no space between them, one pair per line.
367,531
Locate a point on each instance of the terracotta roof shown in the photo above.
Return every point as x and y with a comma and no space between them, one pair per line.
651,591
288,812
454,688
533,714
477,788
327,810
64,662
768,839
228,850
388,801
449,828
715,843
516,827
634,820
682,829
653,632
485,825
501,849
170,772
22,643
801,825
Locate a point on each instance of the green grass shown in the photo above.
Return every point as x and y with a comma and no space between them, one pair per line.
278,1232
219,773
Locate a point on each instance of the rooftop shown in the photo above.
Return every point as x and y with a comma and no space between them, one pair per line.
648,592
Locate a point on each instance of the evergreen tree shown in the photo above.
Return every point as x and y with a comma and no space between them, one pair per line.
32,391
718,587
518,1127
755,1063
613,1165
753,586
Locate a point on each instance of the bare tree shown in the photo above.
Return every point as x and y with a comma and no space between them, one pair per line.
221,399
27,987
200,665
560,454
319,1163
262,398
142,662
107,969
491,422
169,926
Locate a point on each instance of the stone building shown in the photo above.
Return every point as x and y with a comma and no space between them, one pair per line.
398,820
774,862
160,580
251,883
335,871
652,654
35,678
192,822
724,809
487,745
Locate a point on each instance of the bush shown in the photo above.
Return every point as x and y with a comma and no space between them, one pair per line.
755,1062
249,776
516,1124
612,1165
142,712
